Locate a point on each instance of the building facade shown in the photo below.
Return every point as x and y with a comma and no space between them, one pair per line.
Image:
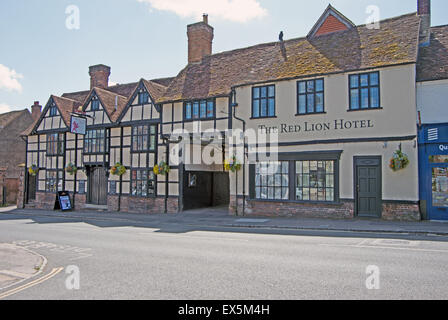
432,94
12,150
313,122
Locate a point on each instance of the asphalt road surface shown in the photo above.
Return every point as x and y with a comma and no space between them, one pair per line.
116,261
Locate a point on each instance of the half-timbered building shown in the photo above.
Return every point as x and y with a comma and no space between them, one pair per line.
341,103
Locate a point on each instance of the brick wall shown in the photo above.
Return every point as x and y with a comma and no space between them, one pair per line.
344,210
330,25
45,201
401,212
200,39
142,205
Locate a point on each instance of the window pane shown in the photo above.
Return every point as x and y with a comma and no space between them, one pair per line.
374,79
256,93
203,109
354,99
319,85
364,80
310,98
256,109
271,91
264,92
319,102
302,87
354,81
374,98
210,109
195,110
264,107
188,111
364,98
271,107
302,104
310,86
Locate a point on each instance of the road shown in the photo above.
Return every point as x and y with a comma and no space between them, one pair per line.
118,261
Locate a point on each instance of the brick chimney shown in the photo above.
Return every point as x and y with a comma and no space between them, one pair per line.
36,110
424,12
99,76
200,39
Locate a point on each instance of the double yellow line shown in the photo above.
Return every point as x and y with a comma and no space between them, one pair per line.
53,273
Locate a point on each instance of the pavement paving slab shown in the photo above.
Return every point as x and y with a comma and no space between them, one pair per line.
17,264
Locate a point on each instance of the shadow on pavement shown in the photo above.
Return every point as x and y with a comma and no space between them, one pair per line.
208,221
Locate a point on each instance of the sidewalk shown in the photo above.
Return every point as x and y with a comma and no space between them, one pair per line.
219,217
18,264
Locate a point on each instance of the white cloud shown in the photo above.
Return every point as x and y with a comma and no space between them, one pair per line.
4,108
232,10
9,79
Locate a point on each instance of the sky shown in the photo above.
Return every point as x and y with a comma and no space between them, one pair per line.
46,46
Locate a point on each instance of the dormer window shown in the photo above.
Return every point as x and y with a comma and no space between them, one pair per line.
143,97
95,105
53,111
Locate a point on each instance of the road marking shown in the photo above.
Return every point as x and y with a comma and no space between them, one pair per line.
53,273
189,236
379,247
80,253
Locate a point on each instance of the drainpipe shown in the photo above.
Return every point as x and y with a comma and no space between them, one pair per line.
235,105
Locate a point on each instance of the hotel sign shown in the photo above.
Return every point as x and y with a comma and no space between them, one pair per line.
336,125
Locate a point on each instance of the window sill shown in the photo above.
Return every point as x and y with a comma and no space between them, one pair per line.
309,114
299,202
369,109
260,118
198,120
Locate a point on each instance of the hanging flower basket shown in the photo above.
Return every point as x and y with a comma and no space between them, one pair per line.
71,169
161,169
118,169
33,170
399,161
232,165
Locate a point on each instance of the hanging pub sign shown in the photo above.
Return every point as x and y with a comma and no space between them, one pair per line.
63,201
78,125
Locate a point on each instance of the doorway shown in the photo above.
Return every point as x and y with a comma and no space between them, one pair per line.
97,185
205,189
368,186
32,187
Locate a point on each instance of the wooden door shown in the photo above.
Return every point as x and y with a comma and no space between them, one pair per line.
98,186
368,187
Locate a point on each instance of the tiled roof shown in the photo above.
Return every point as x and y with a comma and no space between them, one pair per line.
112,102
66,107
396,42
164,81
433,60
80,96
7,118
155,90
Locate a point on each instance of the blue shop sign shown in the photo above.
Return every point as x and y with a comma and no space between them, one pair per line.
433,171
434,134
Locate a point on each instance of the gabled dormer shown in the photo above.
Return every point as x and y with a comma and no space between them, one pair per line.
331,21
141,105
56,115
